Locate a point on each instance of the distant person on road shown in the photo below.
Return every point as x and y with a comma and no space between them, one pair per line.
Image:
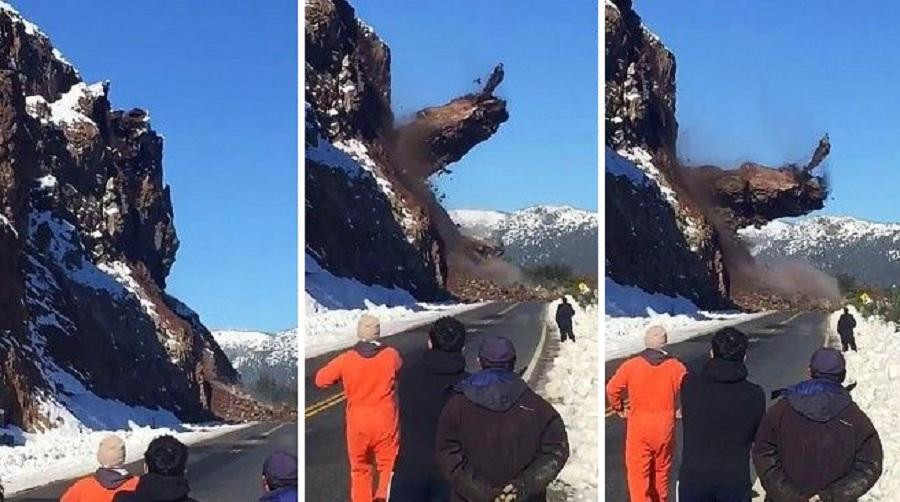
368,373
165,463
845,327
280,478
815,443
652,380
721,412
564,315
109,479
497,440
425,387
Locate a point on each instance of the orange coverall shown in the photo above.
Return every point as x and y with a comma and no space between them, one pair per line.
650,422
373,425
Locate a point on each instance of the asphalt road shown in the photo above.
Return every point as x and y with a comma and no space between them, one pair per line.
228,467
327,468
780,347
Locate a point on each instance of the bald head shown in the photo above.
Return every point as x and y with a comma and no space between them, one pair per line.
368,328
656,337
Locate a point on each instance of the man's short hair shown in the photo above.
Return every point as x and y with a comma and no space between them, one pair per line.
447,335
729,344
167,456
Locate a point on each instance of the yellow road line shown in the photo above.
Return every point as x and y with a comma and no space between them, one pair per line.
323,405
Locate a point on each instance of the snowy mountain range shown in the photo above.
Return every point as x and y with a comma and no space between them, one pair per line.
254,353
867,251
537,235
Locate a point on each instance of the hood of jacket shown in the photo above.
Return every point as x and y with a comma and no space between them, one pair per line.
444,363
720,370
654,356
818,399
494,389
163,488
111,479
368,349
286,494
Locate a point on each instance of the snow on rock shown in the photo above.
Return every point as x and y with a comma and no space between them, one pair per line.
573,387
618,165
877,373
65,453
631,310
31,29
334,304
251,352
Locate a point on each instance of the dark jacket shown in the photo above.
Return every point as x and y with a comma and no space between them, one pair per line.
816,441
721,412
496,431
286,494
424,389
158,488
846,324
564,314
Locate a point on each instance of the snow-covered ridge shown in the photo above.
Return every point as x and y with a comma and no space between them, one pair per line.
839,245
32,29
272,348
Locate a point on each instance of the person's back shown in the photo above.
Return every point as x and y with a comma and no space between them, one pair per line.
368,373
846,323
496,433
165,462
721,412
564,313
816,440
109,479
424,388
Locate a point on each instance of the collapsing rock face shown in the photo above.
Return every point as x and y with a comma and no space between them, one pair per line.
87,239
417,247
688,217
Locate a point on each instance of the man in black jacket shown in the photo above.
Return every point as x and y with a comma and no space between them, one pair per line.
165,462
721,411
423,390
815,443
845,327
497,439
564,315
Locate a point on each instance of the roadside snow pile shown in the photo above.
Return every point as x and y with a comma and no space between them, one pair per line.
66,453
877,373
631,310
334,304
573,388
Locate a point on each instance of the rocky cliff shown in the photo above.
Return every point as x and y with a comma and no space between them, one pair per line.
87,239
370,212
672,228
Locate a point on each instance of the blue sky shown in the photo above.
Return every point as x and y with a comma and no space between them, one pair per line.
220,82
764,79
547,151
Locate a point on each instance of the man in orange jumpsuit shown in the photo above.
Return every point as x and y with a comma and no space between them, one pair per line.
368,373
652,379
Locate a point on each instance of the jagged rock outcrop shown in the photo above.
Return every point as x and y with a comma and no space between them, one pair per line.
87,239
670,228
370,211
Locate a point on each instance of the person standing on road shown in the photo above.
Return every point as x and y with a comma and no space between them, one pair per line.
564,315
424,389
280,478
652,380
845,327
497,440
109,479
165,463
368,373
721,412
815,443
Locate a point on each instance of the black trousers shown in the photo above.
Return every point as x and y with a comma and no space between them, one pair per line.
565,332
694,492
848,342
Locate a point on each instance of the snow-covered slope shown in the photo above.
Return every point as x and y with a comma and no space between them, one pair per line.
253,353
538,235
869,252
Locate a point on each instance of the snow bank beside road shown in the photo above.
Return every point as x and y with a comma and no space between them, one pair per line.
876,370
65,453
630,311
334,304
573,388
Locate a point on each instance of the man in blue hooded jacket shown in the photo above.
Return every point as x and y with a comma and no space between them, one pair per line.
497,440
280,478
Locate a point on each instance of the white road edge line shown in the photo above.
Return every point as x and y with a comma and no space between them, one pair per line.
794,317
509,309
540,348
270,431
